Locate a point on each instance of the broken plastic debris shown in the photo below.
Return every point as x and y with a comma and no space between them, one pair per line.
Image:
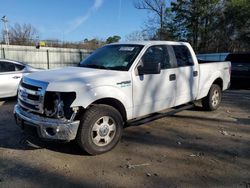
199,154
224,133
130,166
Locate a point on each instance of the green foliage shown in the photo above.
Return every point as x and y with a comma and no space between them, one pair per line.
194,20
113,39
212,25
209,25
237,20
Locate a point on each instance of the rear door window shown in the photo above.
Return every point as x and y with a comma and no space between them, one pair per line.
183,56
19,67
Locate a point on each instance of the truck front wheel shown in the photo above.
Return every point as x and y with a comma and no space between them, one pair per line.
100,129
212,101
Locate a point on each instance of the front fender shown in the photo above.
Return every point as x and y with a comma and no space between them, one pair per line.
124,95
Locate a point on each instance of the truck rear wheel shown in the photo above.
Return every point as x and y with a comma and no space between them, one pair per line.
100,129
212,101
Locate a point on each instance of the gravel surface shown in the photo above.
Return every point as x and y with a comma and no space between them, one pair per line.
193,148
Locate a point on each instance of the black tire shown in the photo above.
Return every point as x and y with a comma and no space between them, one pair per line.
93,126
212,101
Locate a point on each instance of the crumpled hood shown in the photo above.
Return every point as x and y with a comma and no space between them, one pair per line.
70,78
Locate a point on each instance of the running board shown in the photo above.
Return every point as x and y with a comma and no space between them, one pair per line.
158,115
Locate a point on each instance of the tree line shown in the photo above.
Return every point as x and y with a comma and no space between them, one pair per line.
209,25
28,35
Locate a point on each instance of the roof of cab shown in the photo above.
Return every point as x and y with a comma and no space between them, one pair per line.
145,43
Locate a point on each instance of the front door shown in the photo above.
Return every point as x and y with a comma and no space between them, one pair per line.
155,92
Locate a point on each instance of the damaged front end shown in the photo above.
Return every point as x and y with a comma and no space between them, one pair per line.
57,105
49,112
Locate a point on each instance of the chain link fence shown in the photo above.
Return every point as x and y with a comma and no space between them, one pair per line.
45,57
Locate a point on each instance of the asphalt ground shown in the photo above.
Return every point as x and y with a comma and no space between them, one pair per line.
193,148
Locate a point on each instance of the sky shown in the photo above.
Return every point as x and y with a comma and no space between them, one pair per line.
75,20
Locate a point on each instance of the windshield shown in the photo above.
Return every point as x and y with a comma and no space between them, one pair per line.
113,57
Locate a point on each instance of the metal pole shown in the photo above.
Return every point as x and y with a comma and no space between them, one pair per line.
5,21
3,53
7,34
80,52
48,59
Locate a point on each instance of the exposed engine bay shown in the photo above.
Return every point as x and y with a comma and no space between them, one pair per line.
57,105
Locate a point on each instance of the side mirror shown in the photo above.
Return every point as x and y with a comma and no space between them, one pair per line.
149,68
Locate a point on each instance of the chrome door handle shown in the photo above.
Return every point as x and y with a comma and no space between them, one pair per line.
16,77
172,77
195,73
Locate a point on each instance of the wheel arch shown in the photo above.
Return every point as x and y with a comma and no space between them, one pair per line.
218,82
118,105
204,89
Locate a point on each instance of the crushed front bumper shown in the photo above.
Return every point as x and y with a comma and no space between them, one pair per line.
47,128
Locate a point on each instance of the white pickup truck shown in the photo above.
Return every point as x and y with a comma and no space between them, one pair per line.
117,83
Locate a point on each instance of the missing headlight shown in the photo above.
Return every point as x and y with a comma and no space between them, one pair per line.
57,105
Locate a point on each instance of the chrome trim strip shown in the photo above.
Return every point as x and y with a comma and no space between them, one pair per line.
30,91
29,101
26,107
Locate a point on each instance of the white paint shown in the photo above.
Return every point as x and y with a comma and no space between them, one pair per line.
9,81
146,94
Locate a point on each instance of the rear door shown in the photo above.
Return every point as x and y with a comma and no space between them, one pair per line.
186,75
10,76
155,92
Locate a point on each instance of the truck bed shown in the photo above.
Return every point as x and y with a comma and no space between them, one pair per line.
219,69
201,61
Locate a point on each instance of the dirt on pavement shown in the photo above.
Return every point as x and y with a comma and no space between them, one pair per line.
193,148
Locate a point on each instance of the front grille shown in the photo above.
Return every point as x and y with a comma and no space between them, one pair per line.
30,86
27,105
31,95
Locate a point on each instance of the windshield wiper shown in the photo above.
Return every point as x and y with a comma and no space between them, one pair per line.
95,66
